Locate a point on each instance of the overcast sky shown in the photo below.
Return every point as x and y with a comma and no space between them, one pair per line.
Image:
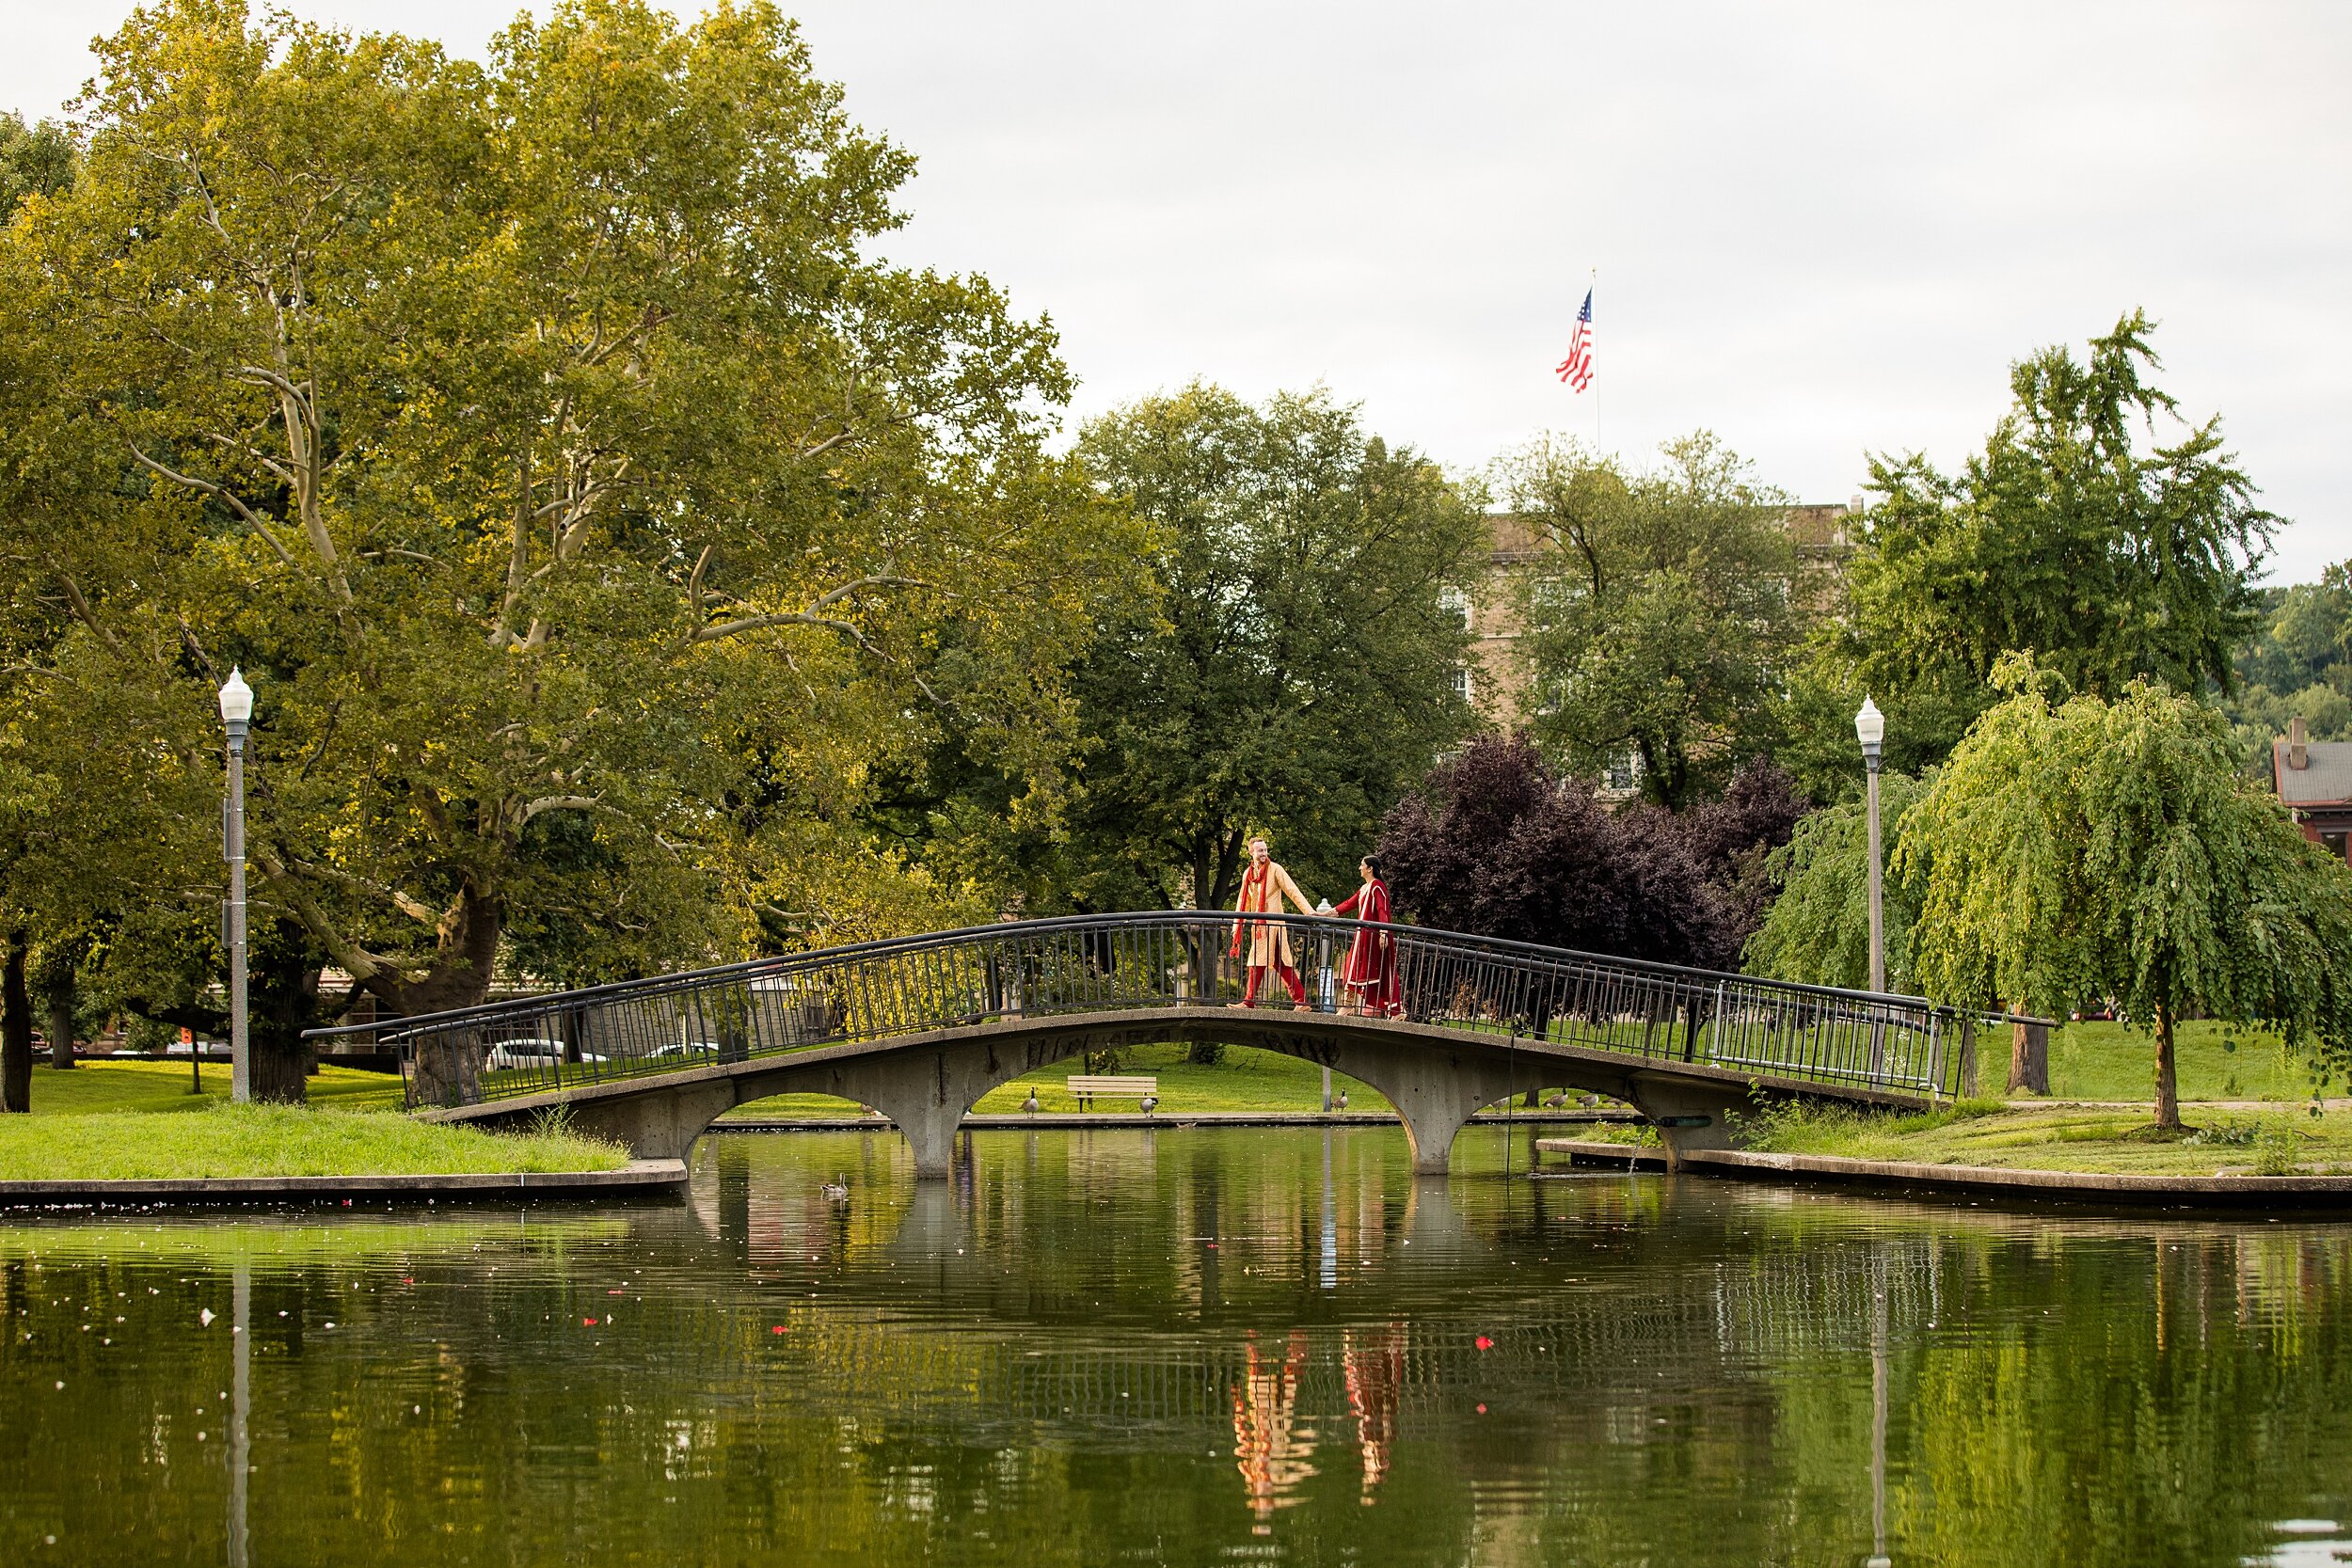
1821,230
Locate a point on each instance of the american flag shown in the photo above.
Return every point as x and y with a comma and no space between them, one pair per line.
1577,368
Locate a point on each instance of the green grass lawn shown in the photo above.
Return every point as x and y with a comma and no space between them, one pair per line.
278,1140
104,1086
2110,1061
108,1120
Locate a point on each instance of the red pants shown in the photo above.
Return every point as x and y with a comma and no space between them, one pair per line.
1290,979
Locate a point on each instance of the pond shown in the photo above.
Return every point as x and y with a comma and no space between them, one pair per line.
1186,1346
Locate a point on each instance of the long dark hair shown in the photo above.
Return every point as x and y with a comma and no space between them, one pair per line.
1377,869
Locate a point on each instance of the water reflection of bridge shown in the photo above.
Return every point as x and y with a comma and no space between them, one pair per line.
1816,1302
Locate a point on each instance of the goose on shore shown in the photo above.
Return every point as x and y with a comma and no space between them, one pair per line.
1029,1105
1339,1100
837,1189
1150,1104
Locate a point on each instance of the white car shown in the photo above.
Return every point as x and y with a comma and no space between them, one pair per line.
518,1053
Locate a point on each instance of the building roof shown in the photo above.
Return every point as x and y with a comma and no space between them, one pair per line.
2326,780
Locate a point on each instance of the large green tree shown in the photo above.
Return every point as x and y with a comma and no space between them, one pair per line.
587,504
1662,619
2077,848
2097,529
1296,668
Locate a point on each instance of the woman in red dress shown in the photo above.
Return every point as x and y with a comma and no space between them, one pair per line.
1370,973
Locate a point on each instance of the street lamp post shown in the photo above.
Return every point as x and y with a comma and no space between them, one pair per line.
236,712
1869,726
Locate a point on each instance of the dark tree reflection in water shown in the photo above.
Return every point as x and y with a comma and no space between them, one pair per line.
1176,1347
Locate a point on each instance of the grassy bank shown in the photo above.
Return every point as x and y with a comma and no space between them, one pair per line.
276,1140
1986,1133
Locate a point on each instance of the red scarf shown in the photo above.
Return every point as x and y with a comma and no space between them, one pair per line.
1256,878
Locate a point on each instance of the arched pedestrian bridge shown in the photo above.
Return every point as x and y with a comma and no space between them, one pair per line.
921,1027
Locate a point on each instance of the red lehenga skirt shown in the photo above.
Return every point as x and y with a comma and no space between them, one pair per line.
1371,973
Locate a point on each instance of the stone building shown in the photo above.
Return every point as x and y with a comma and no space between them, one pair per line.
1496,678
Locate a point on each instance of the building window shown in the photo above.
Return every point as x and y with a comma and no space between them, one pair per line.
1462,682
1623,775
1456,603
1549,596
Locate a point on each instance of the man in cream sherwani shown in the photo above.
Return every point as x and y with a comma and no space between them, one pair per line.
1264,887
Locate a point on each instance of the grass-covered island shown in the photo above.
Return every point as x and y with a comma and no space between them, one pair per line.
2117,1140
109,1121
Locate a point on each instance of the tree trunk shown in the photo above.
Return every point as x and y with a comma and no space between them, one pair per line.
2028,1053
448,1066
2167,1087
285,995
16,1031
60,998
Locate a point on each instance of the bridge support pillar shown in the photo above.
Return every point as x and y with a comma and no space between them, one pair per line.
657,1127
1434,1092
924,1092
1691,1115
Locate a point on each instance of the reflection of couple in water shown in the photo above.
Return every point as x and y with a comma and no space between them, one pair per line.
1369,972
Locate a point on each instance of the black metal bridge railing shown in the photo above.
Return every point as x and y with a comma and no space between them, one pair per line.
877,990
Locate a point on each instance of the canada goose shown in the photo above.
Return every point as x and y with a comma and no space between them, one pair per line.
1150,1104
1029,1105
1556,1101
1339,1100
837,1189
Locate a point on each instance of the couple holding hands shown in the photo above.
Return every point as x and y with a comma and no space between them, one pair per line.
1369,974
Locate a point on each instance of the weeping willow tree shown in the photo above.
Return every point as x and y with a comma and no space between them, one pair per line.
2076,847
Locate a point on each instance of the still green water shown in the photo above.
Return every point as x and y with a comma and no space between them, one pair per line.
1182,1347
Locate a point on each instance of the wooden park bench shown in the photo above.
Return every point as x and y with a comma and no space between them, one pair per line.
1087,1086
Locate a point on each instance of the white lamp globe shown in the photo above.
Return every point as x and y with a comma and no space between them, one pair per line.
236,700
1869,725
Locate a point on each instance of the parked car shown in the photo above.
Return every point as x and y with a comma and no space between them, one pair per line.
686,1050
532,1053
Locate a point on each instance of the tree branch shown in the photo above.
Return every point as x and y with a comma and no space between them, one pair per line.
411,907
245,513
813,615
349,955
559,802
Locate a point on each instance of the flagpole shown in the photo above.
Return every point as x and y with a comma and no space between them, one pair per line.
1597,449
